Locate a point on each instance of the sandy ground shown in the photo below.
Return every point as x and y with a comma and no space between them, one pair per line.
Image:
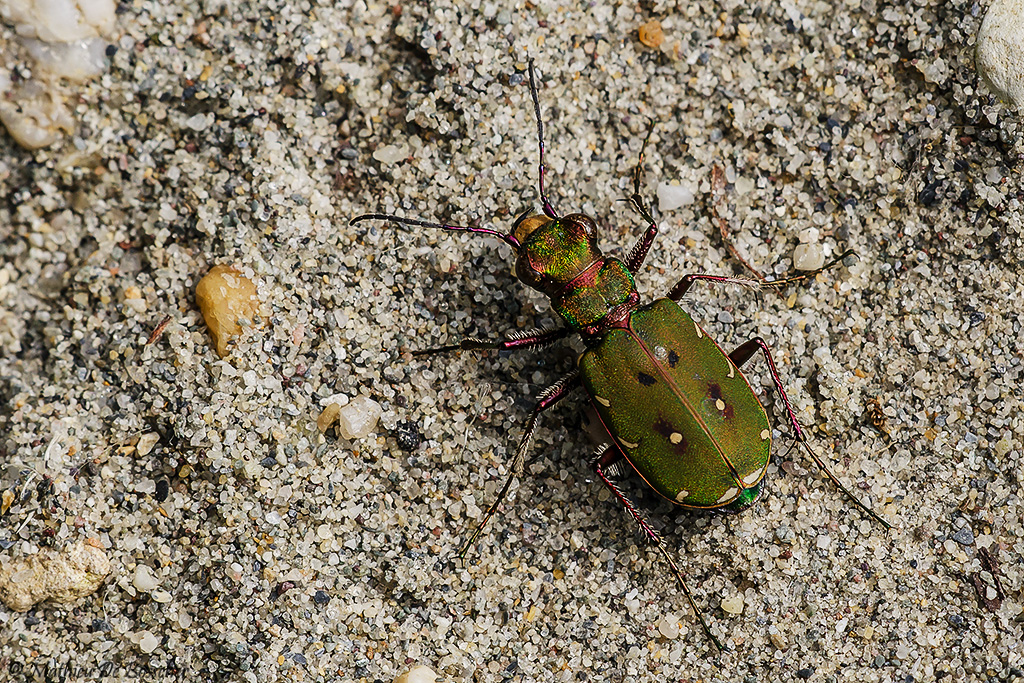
223,133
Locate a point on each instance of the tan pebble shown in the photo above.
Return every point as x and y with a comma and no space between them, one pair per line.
419,674
61,576
7,501
328,416
651,34
778,641
226,298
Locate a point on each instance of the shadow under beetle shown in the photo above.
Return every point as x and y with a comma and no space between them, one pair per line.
677,408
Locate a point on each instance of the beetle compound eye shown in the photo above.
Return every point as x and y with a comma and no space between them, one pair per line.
526,225
529,275
585,222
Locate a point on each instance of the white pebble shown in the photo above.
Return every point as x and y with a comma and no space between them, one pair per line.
358,418
809,235
672,197
419,674
999,55
60,21
64,39
146,443
199,122
823,542
33,115
733,604
744,185
144,580
808,257
390,154
79,61
669,626
148,642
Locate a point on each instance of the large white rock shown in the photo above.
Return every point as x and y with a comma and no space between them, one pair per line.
66,40
59,21
999,54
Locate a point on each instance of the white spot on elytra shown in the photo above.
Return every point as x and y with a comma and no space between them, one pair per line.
700,332
753,477
603,401
676,437
765,434
732,369
628,444
720,404
660,352
728,495
682,495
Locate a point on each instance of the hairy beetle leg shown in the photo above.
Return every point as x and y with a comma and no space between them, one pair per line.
547,398
605,457
516,340
684,284
741,355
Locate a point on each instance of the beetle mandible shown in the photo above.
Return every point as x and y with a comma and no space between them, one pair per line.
676,407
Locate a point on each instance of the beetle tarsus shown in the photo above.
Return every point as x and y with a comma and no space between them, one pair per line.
740,356
604,457
507,239
545,399
811,273
835,480
638,254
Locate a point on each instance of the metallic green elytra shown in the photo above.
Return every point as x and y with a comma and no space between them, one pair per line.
680,410
675,406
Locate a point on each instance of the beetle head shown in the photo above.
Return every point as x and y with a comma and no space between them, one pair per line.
553,251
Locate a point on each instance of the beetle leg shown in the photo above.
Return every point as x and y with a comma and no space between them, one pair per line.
638,253
608,455
684,284
515,340
741,355
547,398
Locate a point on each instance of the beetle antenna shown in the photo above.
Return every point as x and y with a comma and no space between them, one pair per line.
548,210
507,239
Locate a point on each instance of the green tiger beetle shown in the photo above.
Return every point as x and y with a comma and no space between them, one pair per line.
676,407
